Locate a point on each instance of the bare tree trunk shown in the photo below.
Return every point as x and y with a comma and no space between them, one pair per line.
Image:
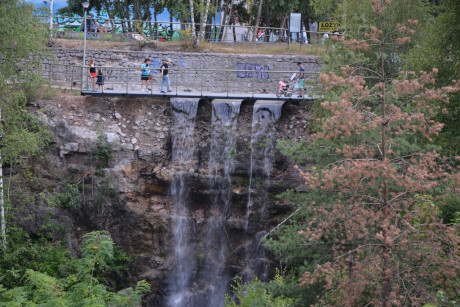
155,24
231,19
51,22
2,203
192,20
149,18
267,22
215,20
127,16
222,21
256,26
203,19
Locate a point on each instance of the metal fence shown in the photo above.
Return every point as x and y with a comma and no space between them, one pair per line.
202,82
126,30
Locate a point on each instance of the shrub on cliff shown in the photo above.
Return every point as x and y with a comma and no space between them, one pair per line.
80,286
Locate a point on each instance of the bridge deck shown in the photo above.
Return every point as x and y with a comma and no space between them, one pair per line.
207,95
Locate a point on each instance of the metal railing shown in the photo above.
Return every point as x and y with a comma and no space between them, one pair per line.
184,81
123,29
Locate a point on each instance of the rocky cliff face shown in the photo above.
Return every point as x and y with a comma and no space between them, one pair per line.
120,150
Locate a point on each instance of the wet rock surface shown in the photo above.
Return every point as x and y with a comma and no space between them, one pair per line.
138,207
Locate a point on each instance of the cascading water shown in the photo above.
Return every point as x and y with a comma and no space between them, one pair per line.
182,132
199,276
263,141
221,164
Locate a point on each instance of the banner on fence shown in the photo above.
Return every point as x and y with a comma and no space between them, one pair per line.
325,26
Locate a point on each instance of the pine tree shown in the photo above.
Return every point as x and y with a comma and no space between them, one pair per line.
385,183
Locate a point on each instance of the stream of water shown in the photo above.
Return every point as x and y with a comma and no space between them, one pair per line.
199,277
263,142
221,165
182,132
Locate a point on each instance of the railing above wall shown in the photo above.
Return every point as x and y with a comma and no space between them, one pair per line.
129,30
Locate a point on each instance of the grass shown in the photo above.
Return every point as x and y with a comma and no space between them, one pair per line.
234,48
262,48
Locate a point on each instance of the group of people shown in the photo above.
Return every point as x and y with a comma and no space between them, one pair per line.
97,76
146,77
92,25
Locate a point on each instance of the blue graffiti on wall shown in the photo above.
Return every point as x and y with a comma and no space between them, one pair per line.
256,71
181,62
156,64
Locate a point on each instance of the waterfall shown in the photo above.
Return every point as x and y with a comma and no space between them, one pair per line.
263,142
199,276
182,132
221,165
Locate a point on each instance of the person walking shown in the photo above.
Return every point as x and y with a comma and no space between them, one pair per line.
164,76
301,79
145,75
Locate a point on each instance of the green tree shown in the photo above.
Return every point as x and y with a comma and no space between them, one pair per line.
22,36
378,184
81,288
438,45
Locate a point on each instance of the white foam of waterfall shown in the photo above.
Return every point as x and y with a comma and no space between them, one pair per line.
182,132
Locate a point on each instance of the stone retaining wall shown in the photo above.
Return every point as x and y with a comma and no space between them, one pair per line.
256,73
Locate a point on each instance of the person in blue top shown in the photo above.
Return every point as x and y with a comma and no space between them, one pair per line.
145,75
301,79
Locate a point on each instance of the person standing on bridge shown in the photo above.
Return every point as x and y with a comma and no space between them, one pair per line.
145,75
164,76
301,79
92,74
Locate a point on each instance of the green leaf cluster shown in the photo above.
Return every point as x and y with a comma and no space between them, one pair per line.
66,282
255,294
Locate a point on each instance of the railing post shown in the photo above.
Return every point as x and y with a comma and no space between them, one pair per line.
226,85
177,84
252,88
71,79
127,79
201,85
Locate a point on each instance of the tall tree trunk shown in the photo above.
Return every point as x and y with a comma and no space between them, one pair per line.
230,20
155,24
51,21
2,203
267,22
223,20
149,18
386,248
138,26
128,22
256,27
192,20
214,36
307,28
203,19
282,25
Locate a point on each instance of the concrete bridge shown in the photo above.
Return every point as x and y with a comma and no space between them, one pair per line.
201,83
